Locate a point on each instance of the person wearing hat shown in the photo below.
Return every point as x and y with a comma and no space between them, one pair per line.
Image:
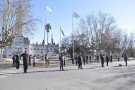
61,61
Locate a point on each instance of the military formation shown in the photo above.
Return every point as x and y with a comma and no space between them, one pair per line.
79,60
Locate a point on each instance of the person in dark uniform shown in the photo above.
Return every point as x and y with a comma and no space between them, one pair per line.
61,61
25,61
111,58
84,60
102,60
87,59
118,59
107,60
13,58
76,59
64,60
17,61
125,59
90,58
79,62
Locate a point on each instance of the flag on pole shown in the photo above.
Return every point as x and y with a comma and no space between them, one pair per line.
76,15
62,31
47,8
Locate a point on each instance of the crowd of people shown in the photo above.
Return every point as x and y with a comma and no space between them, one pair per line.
26,60
79,60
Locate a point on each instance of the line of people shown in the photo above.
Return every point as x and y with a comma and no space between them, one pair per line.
26,60
79,60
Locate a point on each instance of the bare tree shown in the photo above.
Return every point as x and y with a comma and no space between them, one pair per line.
131,45
15,18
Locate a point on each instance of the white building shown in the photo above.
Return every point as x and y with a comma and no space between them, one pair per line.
22,44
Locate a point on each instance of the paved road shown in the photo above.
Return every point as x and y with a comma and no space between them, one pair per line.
92,77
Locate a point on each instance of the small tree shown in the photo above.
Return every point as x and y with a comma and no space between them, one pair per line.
47,27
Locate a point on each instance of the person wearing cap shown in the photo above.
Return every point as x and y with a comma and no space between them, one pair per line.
25,61
61,61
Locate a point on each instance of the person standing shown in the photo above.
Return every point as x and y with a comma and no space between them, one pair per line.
25,61
90,58
102,60
107,60
111,58
64,60
125,59
87,59
118,59
34,58
79,62
46,59
17,61
61,61
13,58
76,60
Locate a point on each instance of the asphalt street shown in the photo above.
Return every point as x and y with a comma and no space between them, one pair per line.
91,77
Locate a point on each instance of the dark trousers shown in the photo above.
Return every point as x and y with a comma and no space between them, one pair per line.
25,67
126,62
13,65
61,65
64,63
107,62
33,64
102,63
79,65
110,60
17,64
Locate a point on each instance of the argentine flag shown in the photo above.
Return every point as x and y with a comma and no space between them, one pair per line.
47,8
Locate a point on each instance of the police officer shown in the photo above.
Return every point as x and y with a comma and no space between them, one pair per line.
107,60
61,62
25,61
17,61
125,59
102,60
79,62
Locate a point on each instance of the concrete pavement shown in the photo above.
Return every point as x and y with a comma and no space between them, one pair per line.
92,77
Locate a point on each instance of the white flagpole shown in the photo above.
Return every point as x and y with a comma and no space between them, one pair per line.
60,39
44,36
73,37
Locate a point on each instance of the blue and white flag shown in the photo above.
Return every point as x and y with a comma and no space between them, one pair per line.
62,31
47,8
76,15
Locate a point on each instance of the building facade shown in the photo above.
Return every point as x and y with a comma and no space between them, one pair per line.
22,44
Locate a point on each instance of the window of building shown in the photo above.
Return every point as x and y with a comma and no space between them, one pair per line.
25,48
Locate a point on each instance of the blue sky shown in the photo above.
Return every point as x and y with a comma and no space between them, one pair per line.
122,10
